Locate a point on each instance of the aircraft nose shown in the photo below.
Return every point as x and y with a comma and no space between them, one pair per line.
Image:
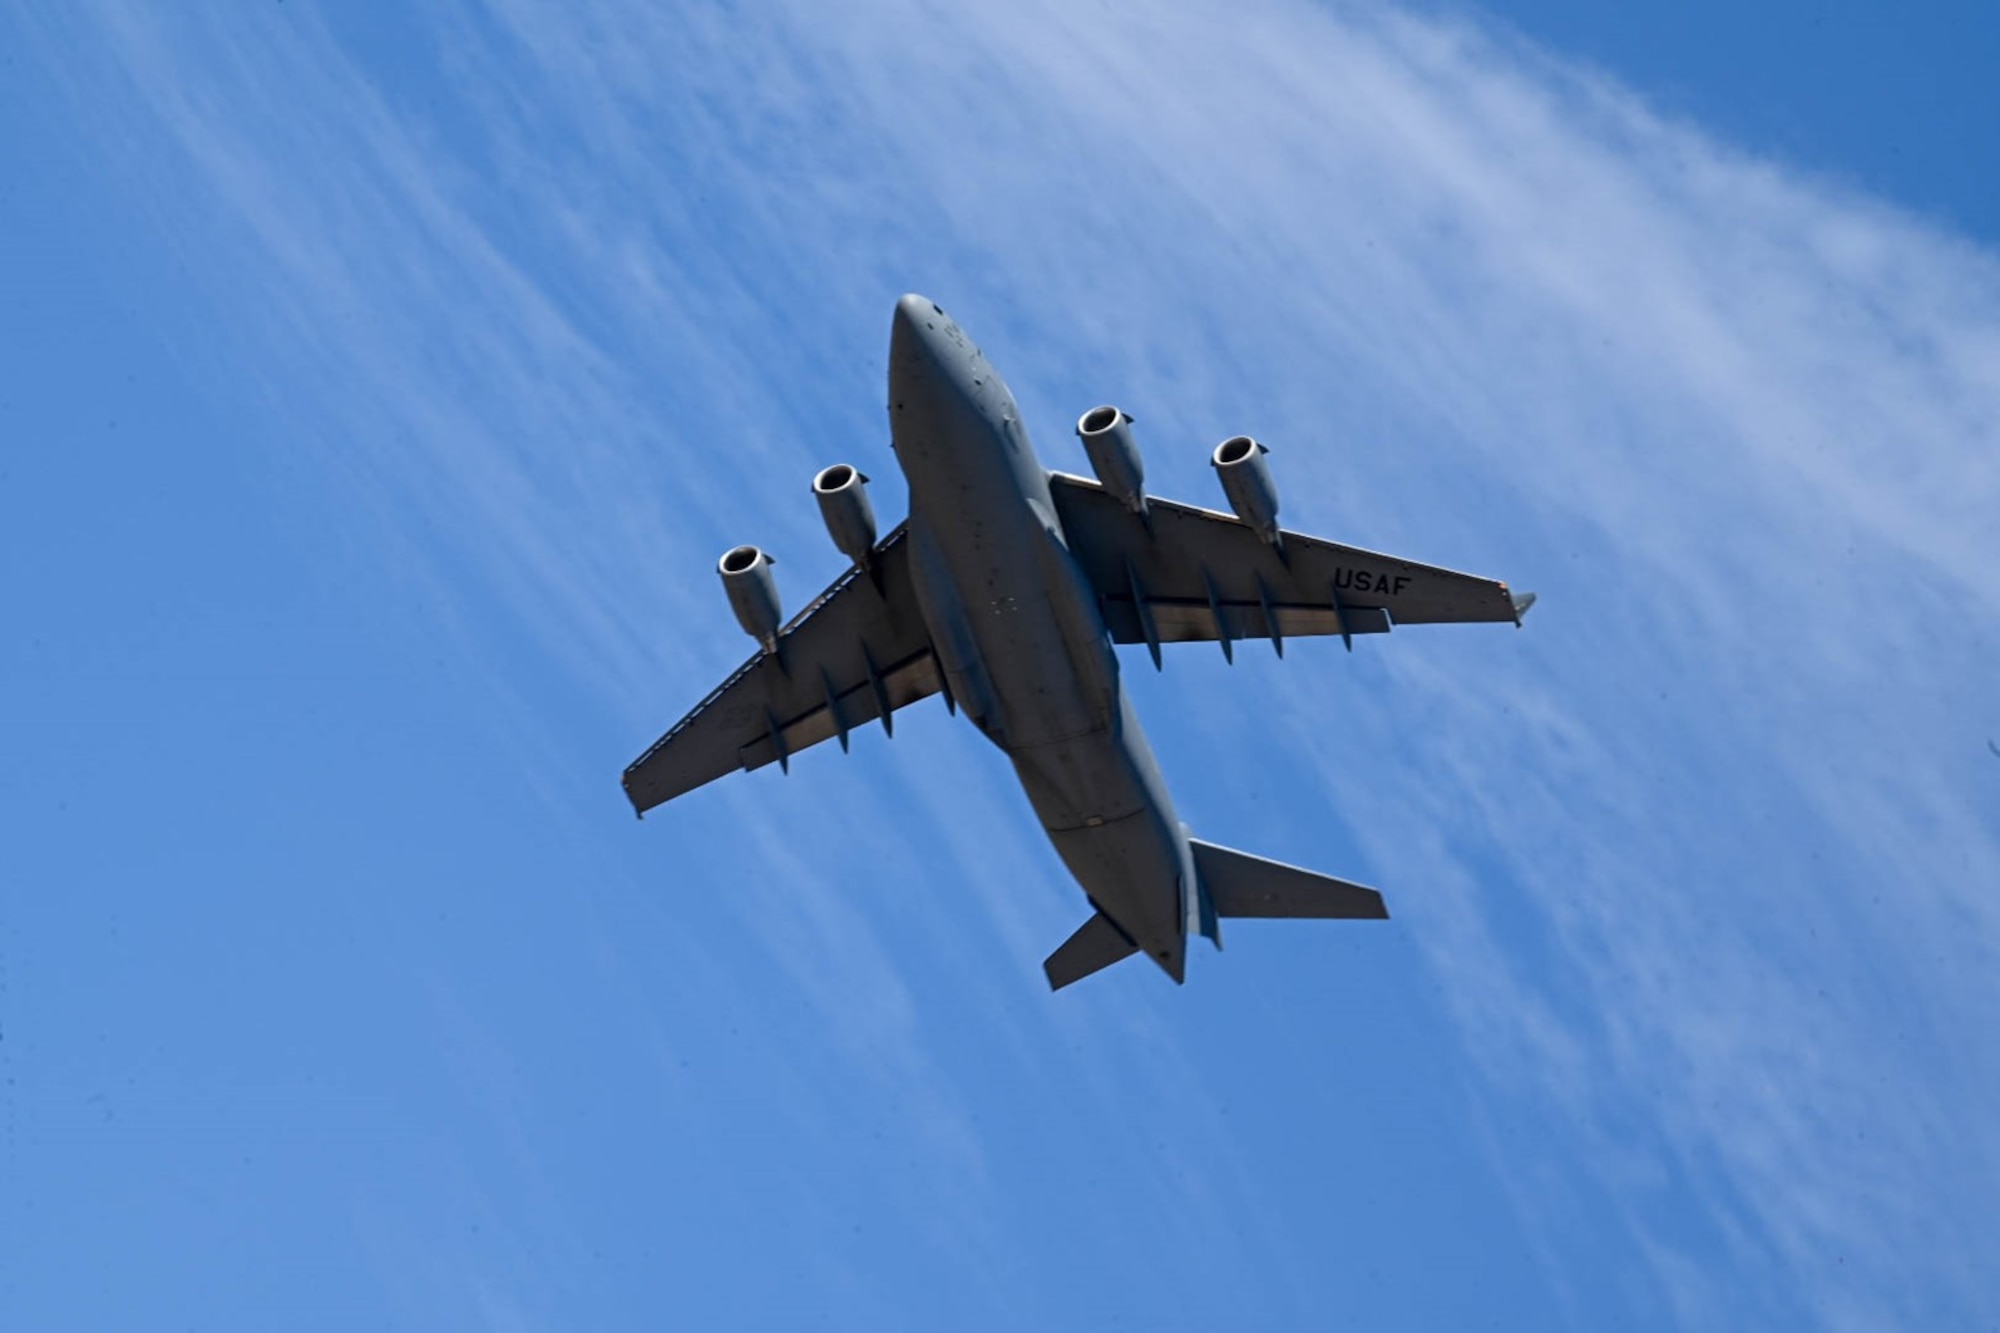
917,342
915,327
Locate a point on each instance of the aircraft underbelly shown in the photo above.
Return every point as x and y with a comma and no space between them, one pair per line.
1018,632
1105,807
1046,680
1131,871
1019,623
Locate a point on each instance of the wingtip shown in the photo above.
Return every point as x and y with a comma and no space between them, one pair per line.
1522,601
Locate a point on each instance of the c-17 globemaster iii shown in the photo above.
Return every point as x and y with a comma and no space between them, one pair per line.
1004,591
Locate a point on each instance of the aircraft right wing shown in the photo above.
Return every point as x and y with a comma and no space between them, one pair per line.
1183,573
858,652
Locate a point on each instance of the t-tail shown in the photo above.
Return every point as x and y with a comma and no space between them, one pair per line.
1227,883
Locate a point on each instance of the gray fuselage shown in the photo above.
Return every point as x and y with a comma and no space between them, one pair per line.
1019,635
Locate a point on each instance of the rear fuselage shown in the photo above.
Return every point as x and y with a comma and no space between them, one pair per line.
1019,635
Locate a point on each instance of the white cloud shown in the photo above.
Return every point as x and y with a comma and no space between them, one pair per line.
1704,859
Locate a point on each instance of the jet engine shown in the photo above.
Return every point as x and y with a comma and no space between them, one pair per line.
1246,480
842,493
1106,433
753,593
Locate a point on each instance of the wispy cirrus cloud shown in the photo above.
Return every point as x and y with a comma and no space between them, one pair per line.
1703,860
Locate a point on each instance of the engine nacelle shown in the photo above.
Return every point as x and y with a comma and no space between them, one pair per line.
753,593
1246,480
1106,433
842,493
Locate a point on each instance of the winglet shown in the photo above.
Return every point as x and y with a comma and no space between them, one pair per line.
1522,601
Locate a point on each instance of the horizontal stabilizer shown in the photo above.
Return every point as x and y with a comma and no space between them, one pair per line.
1096,945
1239,884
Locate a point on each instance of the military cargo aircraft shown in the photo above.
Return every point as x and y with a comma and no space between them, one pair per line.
1004,591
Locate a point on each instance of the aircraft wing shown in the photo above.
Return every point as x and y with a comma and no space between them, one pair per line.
1183,574
857,653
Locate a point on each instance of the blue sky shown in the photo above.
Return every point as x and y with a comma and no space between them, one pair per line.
1893,99
385,379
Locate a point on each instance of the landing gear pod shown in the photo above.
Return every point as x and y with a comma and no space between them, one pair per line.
1246,480
753,593
1106,433
842,493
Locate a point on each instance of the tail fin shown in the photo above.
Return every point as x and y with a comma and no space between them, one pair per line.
1097,944
1239,884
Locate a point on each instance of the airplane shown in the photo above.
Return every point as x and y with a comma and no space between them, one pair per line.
1005,591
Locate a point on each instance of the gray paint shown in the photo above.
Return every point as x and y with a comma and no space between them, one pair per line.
997,584
1005,590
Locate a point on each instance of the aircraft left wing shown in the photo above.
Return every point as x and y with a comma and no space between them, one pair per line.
1183,574
858,652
